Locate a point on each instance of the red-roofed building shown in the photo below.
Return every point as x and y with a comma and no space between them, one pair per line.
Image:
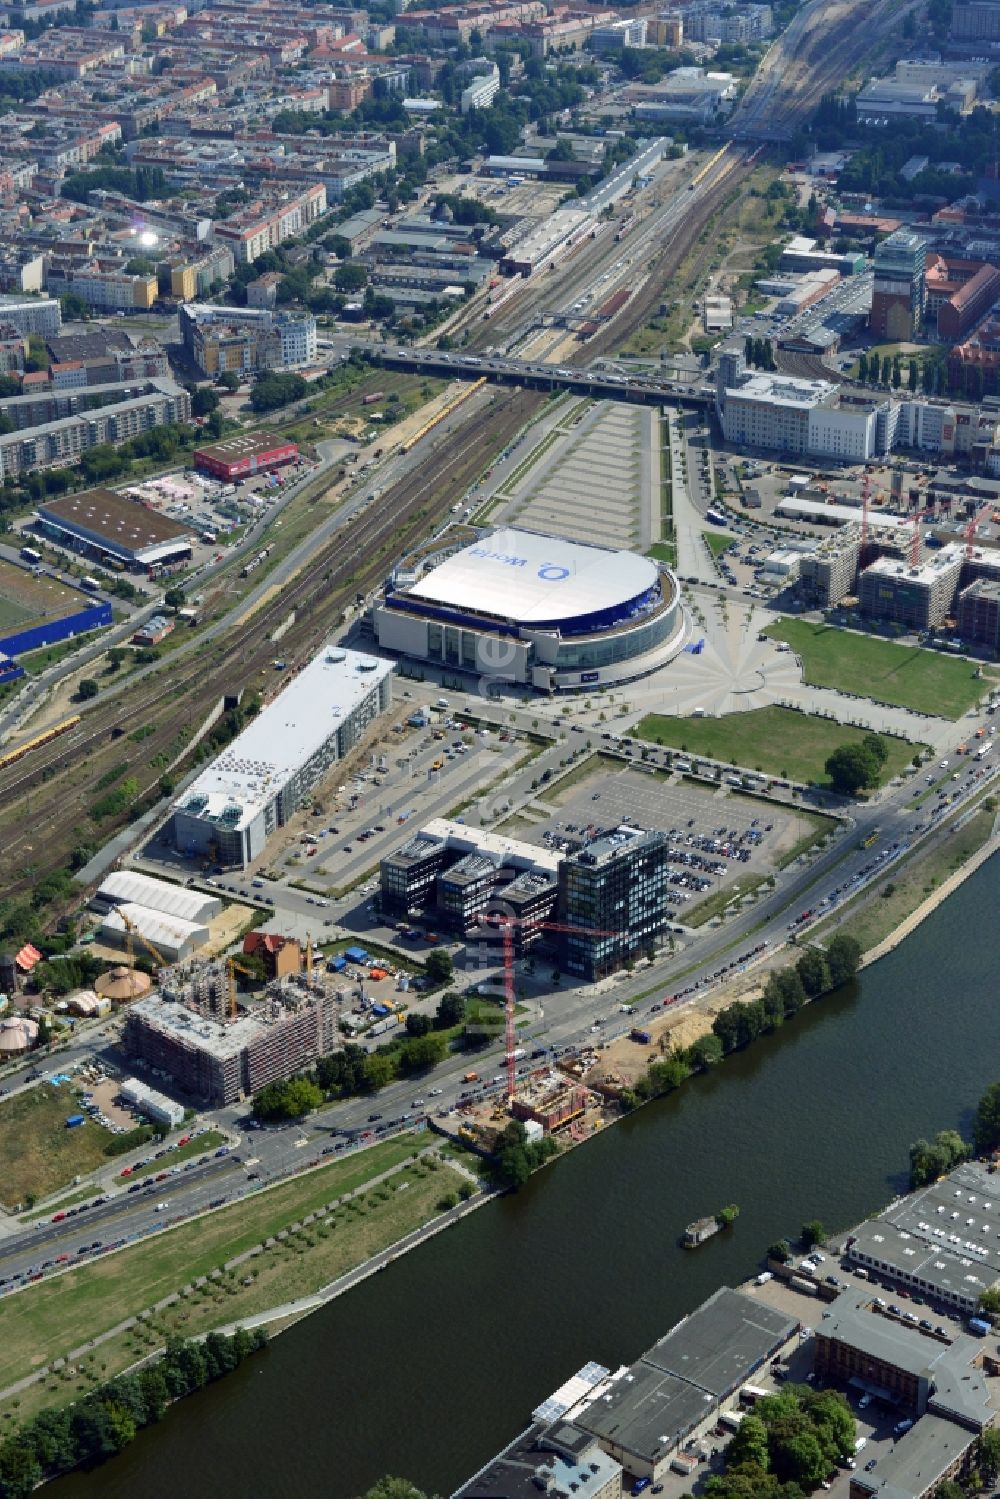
27,958
280,955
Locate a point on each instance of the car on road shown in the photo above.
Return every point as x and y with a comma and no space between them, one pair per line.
161,1207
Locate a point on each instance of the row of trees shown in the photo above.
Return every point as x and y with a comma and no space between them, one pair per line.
887,371
107,1420
743,1022
758,353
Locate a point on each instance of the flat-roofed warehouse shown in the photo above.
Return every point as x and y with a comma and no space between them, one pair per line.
684,1379
104,523
521,606
245,454
231,809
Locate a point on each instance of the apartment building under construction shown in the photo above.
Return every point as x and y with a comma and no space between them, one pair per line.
189,1031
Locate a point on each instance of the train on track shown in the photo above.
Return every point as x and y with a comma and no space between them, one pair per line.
12,756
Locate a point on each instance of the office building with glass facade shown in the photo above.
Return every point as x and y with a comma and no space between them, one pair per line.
614,892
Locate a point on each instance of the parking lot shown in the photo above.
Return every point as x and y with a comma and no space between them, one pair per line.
714,835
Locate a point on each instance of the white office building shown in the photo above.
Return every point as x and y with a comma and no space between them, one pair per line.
255,785
779,413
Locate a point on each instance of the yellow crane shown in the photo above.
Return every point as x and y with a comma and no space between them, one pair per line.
232,967
131,932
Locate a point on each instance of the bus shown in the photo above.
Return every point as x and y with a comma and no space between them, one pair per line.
29,554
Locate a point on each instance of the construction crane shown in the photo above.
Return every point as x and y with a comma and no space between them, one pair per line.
983,513
866,493
131,932
507,925
232,967
918,516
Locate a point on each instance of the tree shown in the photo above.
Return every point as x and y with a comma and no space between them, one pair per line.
393,1488
812,969
877,747
801,1458
378,1069
930,1160
290,1099
87,688
419,1053
780,1250
853,768
843,958
350,277
513,1164
229,380
886,369
912,376
174,598
813,1233
450,1010
986,1121
705,1052
988,1454
204,401
863,369
417,1025
749,1444
439,967
20,1470
785,988
949,1489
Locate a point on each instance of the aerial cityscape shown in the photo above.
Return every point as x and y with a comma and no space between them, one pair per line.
499,683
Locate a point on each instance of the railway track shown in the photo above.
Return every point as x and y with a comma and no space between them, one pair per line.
352,561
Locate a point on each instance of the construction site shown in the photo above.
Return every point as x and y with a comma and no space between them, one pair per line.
217,1049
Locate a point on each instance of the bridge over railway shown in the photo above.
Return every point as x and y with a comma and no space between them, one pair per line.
637,389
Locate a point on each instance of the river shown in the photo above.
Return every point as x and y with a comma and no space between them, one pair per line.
429,1367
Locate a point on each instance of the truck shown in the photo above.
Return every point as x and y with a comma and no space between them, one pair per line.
90,584
29,554
74,1121
643,1037
979,1326
381,1026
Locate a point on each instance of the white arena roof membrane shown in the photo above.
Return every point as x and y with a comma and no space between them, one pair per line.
533,579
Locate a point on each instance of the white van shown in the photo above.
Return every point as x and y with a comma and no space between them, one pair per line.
860,1445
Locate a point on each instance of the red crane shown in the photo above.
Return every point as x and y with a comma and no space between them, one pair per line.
970,531
508,923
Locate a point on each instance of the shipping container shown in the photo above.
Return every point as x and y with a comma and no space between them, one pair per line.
74,1121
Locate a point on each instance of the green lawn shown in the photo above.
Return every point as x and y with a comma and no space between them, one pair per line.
38,1153
905,675
663,551
776,741
717,542
55,1315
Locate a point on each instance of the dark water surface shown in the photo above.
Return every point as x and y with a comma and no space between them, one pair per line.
429,1367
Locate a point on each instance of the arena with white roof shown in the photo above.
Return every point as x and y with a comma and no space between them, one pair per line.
228,813
536,610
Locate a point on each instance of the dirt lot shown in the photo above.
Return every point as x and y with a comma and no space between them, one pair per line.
627,1060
